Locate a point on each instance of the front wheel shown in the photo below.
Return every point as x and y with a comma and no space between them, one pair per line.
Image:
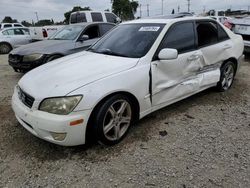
113,119
5,48
228,71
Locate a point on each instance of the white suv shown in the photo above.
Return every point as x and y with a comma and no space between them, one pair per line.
137,68
10,25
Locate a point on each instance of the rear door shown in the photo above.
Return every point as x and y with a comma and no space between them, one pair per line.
213,42
93,31
175,79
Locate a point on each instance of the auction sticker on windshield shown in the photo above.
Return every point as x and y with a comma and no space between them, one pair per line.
149,28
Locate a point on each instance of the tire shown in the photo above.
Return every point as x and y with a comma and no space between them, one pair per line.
112,120
228,71
5,48
53,57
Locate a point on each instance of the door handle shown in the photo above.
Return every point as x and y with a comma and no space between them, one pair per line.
227,46
193,57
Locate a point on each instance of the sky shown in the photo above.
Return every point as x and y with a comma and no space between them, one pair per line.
48,9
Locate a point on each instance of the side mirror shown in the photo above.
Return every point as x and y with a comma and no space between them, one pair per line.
83,38
168,54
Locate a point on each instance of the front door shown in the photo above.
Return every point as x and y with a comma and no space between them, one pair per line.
175,79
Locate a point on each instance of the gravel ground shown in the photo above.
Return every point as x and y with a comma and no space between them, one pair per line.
203,141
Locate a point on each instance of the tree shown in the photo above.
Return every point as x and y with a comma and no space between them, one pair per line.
7,19
44,22
125,9
75,9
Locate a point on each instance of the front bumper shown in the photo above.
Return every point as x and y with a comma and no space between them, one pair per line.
43,125
16,61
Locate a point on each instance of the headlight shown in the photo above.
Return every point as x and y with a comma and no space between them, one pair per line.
32,57
60,105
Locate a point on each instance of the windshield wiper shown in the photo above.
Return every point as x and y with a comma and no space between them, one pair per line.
109,52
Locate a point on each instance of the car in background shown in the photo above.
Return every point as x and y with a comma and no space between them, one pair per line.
44,32
12,38
221,19
9,25
137,68
241,26
93,16
69,40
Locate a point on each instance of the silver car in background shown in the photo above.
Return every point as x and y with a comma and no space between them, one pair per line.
12,38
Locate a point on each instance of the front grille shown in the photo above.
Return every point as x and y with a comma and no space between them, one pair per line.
246,37
15,58
25,98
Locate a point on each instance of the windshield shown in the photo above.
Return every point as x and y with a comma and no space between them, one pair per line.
128,40
67,33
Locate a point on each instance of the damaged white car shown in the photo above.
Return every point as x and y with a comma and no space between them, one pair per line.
137,68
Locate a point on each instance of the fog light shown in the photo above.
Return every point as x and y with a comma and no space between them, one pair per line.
58,136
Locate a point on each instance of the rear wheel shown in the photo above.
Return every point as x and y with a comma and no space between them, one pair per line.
227,76
113,119
5,48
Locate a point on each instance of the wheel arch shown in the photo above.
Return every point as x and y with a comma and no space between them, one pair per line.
5,42
233,60
135,103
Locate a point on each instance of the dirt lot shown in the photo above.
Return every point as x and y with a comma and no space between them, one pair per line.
203,141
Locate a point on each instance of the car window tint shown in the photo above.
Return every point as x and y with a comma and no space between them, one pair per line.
92,32
207,33
73,19
180,37
110,17
105,28
18,32
81,17
26,31
222,34
96,17
7,25
17,25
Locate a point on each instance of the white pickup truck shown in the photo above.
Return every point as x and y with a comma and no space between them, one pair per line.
242,26
43,33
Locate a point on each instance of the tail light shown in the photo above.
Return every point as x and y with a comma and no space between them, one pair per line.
229,25
45,34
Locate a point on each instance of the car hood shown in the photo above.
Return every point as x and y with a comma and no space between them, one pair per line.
44,47
62,76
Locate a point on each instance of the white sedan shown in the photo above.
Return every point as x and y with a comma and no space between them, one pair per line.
13,37
137,68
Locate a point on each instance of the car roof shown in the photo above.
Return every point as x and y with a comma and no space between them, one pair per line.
84,24
168,20
14,28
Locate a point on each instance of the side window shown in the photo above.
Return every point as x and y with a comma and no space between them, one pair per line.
5,33
207,33
73,19
81,17
222,34
26,31
105,28
96,17
17,25
7,25
10,32
18,32
92,32
110,17
180,37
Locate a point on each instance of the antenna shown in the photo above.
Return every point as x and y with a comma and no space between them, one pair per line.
188,5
